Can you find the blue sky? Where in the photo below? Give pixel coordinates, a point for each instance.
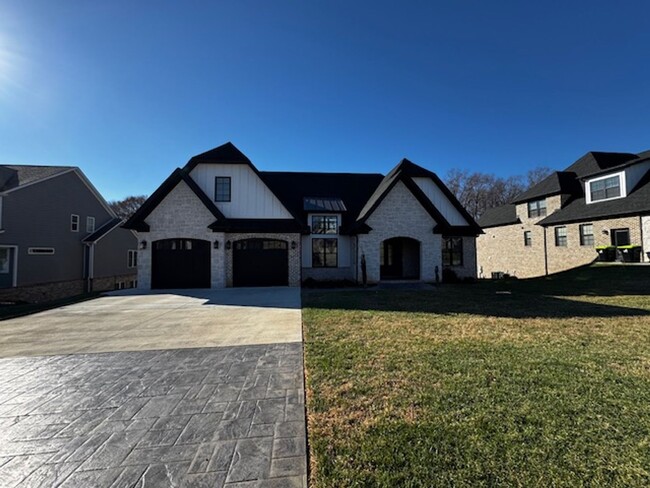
(129, 90)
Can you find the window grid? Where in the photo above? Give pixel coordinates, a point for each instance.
(528, 238)
(132, 259)
(537, 208)
(452, 251)
(222, 191)
(324, 224)
(587, 235)
(74, 223)
(605, 188)
(560, 237)
(324, 253)
(90, 224)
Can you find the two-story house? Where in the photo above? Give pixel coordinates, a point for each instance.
(600, 201)
(58, 236)
(220, 222)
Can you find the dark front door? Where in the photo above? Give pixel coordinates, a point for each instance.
(180, 263)
(260, 262)
(391, 259)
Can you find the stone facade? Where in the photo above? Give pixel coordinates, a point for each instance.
(181, 215)
(294, 254)
(401, 215)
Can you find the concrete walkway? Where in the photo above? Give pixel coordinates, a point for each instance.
(230, 416)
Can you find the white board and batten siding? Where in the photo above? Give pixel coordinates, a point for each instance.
(250, 197)
(440, 201)
(343, 245)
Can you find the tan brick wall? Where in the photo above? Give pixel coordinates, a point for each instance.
(468, 269)
(574, 255)
(645, 228)
(294, 254)
(501, 249)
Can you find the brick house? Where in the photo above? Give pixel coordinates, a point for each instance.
(220, 222)
(601, 203)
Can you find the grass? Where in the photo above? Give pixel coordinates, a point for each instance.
(465, 385)
(22, 309)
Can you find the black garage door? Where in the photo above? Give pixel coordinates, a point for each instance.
(180, 263)
(260, 262)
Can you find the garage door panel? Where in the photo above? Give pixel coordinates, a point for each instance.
(260, 262)
(180, 263)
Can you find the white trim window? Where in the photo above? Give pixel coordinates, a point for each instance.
(40, 251)
(606, 188)
(132, 259)
(74, 223)
(90, 224)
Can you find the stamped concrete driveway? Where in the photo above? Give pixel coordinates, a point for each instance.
(156, 407)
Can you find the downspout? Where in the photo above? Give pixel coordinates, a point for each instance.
(545, 253)
(91, 267)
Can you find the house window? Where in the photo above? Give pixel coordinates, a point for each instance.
(620, 237)
(560, 237)
(528, 238)
(587, 235)
(40, 251)
(90, 224)
(537, 208)
(222, 189)
(324, 224)
(324, 253)
(4, 260)
(605, 188)
(452, 251)
(132, 259)
(74, 223)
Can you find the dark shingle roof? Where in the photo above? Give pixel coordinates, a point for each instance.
(637, 202)
(353, 189)
(14, 175)
(103, 230)
(503, 215)
(558, 182)
(595, 161)
(226, 154)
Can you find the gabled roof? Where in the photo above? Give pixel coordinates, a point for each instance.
(225, 154)
(596, 161)
(13, 176)
(404, 172)
(137, 220)
(558, 182)
(503, 215)
(635, 203)
(102, 231)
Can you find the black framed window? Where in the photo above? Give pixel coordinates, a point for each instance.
(324, 253)
(452, 251)
(560, 237)
(324, 224)
(222, 189)
(605, 188)
(537, 208)
(132, 258)
(620, 237)
(587, 235)
(528, 238)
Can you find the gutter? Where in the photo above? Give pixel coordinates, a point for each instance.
(545, 253)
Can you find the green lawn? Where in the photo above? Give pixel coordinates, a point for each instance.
(465, 385)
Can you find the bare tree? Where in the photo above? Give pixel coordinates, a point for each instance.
(126, 208)
(479, 191)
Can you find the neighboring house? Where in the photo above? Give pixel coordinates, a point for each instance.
(58, 236)
(220, 222)
(602, 200)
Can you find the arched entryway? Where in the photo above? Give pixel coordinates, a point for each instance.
(180, 263)
(399, 259)
(260, 262)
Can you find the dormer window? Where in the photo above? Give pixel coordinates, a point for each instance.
(222, 189)
(324, 224)
(537, 208)
(605, 188)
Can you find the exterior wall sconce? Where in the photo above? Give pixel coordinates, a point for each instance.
(606, 232)
(143, 244)
(216, 244)
(228, 245)
(293, 244)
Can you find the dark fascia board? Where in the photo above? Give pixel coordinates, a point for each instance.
(504, 224)
(137, 220)
(420, 171)
(458, 231)
(258, 225)
(102, 231)
(575, 220)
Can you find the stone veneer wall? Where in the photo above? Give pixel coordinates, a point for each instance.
(46, 292)
(401, 215)
(574, 255)
(294, 254)
(181, 215)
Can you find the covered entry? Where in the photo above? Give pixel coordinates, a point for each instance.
(260, 262)
(399, 259)
(180, 263)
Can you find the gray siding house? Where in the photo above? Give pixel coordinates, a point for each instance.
(58, 236)
(220, 222)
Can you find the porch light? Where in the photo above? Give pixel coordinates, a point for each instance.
(143, 244)
(228, 245)
(605, 231)
(293, 244)
(216, 244)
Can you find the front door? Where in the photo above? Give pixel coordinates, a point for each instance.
(7, 260)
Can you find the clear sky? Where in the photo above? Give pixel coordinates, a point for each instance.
(129, 90)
